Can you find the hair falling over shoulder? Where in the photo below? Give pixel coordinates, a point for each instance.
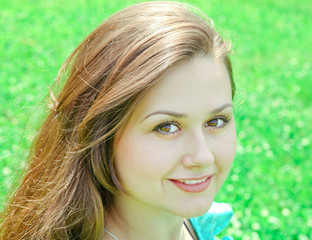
(70, 179)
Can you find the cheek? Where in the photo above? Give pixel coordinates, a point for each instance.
(226, 151)
(224, 159)
(141, 157)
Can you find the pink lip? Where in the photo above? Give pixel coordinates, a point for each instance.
(193, 188)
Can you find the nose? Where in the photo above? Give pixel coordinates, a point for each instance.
(199, 152)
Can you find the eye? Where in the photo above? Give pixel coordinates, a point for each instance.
(167, 128)
(218, 122)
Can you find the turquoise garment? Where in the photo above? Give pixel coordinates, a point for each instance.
(212, 222)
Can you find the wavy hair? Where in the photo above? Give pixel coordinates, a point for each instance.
(70, 179)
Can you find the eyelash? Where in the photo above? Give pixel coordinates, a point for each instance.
(157, 130)
(224, 118)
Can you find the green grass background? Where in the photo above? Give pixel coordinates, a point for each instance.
(270, 183)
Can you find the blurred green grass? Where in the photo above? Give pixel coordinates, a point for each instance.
(270, 183)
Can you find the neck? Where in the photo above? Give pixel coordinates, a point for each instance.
(129, 222)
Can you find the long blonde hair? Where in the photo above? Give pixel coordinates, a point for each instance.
(70, 179)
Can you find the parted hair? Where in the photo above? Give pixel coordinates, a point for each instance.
(70, 178)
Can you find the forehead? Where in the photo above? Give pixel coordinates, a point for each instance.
(202, 82)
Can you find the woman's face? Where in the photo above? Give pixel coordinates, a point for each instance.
(179, 144)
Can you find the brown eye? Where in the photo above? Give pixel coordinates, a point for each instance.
(217, 122)
(167, 128)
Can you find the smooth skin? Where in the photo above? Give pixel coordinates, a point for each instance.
(183, 129)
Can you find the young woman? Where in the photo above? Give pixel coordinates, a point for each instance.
(140, 138)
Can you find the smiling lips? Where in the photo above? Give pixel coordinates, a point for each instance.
(192, 185)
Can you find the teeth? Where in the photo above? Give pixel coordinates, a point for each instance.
(192, 181)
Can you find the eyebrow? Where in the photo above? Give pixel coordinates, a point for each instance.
(182, 115)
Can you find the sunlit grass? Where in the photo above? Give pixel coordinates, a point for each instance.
(270, 183)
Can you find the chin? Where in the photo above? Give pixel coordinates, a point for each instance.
(196, 209)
